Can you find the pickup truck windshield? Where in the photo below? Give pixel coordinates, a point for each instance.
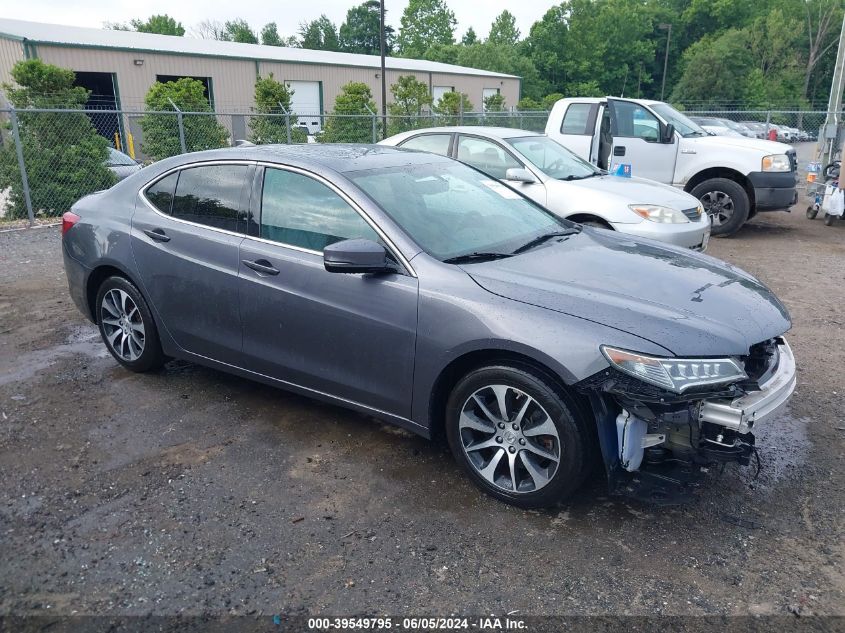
(685, 126)
(552, 158)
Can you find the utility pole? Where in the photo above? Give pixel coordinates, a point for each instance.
(383, 77)
(833, 122)
(668, 29)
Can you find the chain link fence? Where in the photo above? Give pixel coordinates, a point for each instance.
(51, 158)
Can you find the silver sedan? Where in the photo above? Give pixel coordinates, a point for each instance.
(553, 176)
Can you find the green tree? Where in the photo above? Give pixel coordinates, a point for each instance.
(270, 35)
(356, 103)
(319, 34)
(161, 130)
(451, 105)
(423, 24)
(527, 104)
(360, 33)
(272, 97)
(504, 30)
(550, 100)
(469, 37)
(699, 85)
(161, 24)
(410, 97)
(239, 31)
(545, 46)
(64, 156)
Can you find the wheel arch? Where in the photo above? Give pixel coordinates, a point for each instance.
(96, 278)
(475, 359)
(590, 217)
(727, 173)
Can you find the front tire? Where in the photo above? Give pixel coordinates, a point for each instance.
(828, 219)
(812, 212)
(127, 326)
(517, 436)
(726, 202)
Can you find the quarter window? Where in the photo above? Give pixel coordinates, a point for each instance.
(300, 211)
(576, 118)
(210, 195)
(486, 156)
(434, 143)
(160, 193)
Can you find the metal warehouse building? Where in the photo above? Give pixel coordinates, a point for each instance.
(120, 66)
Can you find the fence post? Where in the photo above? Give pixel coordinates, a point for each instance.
(287, 122)
(768, 122)
(461, 109)
(181, 127)
(375, 122)
(16, 135)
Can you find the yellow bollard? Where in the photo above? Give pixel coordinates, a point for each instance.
(131, 143)
(117, 141)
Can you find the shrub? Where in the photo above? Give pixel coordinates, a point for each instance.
(451, 105)
(270, 97)
(410, 96)
(64, 156)
(356, 126)
(161, 130)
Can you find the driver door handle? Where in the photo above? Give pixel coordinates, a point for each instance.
(261, 266)
(157, 235)
(619, 150)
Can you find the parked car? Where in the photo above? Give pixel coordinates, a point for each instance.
(567, 185)
(734, 178)
(416, 289)
(714, 126)
(760, 129)
(122, 165)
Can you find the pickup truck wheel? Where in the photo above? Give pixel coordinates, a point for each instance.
(726, 202)
(517, 436)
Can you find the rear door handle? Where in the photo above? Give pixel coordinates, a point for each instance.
(157, 235)
(619, 150)
(261, 266)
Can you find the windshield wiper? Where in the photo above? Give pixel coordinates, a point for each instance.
(544, 238)
(571, 177)
(475, 257)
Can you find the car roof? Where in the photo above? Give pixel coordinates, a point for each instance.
(480, 130)
(338, 157)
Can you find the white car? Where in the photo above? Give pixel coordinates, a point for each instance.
(570, 187)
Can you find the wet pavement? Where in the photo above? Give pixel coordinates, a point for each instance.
(191, 491)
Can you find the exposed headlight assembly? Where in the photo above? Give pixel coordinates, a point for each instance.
(776, 162)
(675, 374)
(656, 213)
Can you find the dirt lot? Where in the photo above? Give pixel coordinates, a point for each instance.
(190, 491)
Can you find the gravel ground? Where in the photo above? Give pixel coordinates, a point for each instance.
(190, 491)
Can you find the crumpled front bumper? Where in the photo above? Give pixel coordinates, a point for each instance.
(742, 413)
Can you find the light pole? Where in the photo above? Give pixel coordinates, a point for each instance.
(668, 29)
(383, 77)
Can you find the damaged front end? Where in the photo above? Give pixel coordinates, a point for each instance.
(661, 420)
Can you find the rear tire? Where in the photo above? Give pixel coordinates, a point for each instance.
(535, 453)
(828, 219)
(127, 326)
(812, 212)
(726, 202)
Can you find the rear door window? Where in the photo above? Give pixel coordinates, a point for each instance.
(160, 193)
(434, 143)
(577, 118)
(210, 195)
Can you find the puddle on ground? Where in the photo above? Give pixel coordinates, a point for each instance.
(83, 340)
(783, 443)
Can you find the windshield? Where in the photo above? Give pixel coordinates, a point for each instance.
(683, 124)
(552, 158)
(452, 210)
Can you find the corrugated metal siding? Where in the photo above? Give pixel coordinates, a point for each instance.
(233, 81)
(11, 52)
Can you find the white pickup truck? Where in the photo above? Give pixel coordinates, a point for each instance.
(734, 178)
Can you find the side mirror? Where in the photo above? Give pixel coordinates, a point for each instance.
(356, 256)
(668, 134)
(519, 174)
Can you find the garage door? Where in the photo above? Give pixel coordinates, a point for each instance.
(488, 92)
(439, 91)
(305, 103)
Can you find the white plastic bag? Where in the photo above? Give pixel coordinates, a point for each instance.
(836, 204)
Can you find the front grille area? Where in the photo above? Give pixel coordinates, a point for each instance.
(692, 214)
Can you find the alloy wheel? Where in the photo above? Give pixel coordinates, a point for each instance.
(719, 206)
(509, 439)
(122, 324)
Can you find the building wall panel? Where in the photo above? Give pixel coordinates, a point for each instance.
(11, 52)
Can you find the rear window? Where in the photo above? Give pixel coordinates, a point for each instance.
(160, 193)
(210, 195)
(576, 118)
(434, 143)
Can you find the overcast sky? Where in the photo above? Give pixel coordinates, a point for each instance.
(286, 13)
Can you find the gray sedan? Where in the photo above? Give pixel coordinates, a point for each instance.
(550, 174)
(421, 291)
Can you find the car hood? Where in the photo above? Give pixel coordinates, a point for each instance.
(743, 142)
(689, 303)
(625, 191)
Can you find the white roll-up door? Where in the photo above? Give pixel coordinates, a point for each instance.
(305, 103)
